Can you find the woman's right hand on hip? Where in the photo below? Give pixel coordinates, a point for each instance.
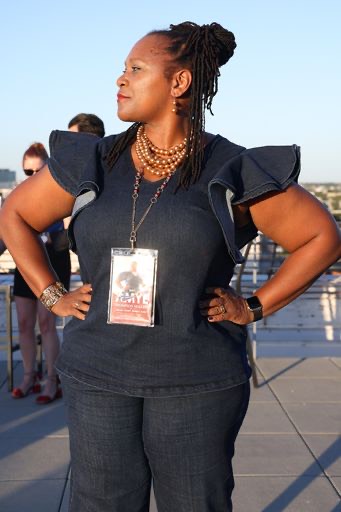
(75, 303)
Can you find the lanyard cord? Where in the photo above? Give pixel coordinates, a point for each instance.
(152, 201)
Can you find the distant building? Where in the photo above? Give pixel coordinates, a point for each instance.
(7, 179)
(329, 194)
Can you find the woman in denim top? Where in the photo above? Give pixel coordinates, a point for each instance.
(166, 402)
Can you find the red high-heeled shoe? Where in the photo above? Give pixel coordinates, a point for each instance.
(47, 399)
(35, 387)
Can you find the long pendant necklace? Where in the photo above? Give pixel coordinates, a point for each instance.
(152, 201)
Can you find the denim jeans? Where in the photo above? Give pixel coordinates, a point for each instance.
(119, 444)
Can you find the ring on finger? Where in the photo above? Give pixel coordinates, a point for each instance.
(222, 309)
(76, 305)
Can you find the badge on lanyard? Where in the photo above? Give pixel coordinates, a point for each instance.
(132, 286)
(133, 272)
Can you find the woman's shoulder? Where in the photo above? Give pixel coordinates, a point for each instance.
(107, 141)
(220, 142)
(219, 150)
(61, 138)
(81, 147)
(105, 144)
(72, 156)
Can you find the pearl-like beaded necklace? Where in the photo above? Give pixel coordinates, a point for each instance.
(161, 162)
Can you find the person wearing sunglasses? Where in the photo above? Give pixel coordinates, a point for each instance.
(30, 172)
(29, 309)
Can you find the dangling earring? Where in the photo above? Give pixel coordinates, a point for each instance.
(174, 109)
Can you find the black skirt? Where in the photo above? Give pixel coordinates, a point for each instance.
(61, 264)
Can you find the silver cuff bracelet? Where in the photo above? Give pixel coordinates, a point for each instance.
(52, 294)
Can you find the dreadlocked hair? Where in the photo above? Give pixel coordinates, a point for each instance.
(202, 49)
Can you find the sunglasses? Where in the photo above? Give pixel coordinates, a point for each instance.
(29, 172)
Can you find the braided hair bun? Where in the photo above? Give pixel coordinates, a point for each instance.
(225, 42)
(213, 38)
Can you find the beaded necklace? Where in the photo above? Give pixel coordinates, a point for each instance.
(160, 162)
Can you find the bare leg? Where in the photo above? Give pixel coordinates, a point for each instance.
(27, 314)
(50, 340)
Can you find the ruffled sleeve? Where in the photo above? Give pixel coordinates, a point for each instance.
(265, 169)
(73, 159)
(249, 175)
(75, 165)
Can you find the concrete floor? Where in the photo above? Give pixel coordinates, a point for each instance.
(288, 454)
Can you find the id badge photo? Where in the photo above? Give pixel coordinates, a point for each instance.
(132, 286)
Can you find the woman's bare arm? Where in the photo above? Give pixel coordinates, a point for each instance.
(299, 223)
(30, 208)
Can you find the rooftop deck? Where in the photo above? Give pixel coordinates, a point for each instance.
(287, 458)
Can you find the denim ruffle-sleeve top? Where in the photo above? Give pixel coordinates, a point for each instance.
(198, 246)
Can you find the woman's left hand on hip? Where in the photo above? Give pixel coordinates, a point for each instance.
(225, 304)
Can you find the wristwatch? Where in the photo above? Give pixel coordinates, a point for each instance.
(254, 305)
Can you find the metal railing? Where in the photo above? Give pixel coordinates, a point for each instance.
(318, 309)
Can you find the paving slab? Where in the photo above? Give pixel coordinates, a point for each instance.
(262, 393)
(273, 455)
(285, 494)
(31, 495)
(299, 367)
(3, 370)
(313, 418)
(152, 507)
(277, 348)
(34, 459)
(327, 449)
(25, 417)
(337, 482)
(66, 496)
(266, 417)
(301, 389)
(337, 361)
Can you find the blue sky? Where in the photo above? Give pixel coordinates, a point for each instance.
(281, 87)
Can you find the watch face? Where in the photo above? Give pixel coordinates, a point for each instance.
(256, 307)
(254, 303)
